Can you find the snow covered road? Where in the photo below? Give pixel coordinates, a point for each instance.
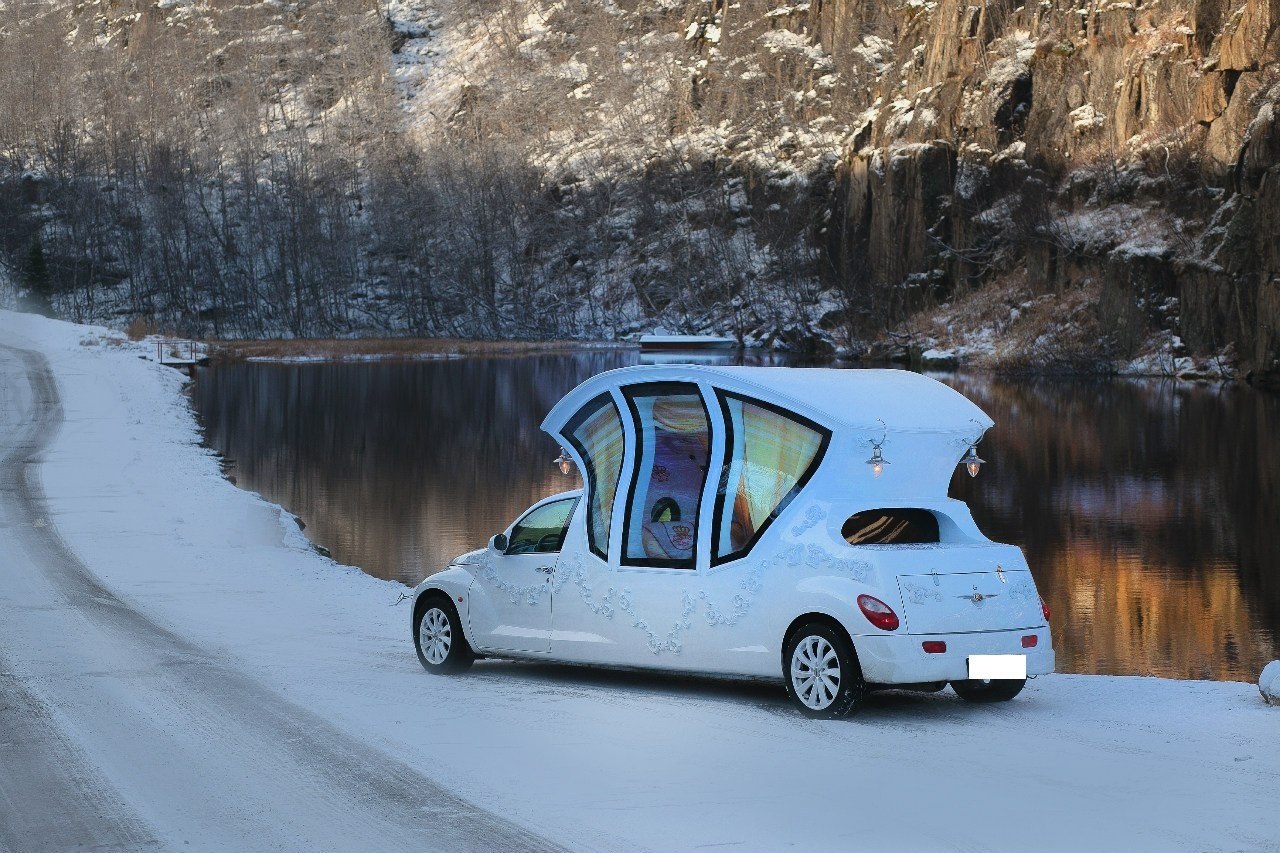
(118, 733)
(176, 666)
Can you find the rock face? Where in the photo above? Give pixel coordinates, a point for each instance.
(1088, 184)
(1006, 137)
(1269, 683)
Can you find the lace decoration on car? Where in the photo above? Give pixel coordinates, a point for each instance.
(619, 600)
(917, 594)
(813, 515)
(531, 595)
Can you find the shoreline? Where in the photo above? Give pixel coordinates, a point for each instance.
(587, 758)
(330, 350)
(357, 350)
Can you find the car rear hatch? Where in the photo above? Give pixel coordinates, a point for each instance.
(1000, 600)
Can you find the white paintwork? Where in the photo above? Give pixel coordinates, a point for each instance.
(733, 619)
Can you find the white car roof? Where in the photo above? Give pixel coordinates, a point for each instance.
(855, 399)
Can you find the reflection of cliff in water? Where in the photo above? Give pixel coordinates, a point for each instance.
(396, 466)
(1147, 511)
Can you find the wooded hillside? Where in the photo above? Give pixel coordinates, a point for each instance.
(1062, 184)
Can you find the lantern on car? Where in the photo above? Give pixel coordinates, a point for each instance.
(972, 462)
(564, 462)
(877, 460)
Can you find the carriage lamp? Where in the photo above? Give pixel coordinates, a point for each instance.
(563, 461)
(877, 460)
(972, 462)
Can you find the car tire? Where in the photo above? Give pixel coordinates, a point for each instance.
(821, 672)
(438, 638)
(996, 690)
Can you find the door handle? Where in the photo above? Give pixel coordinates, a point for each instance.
(547, 570)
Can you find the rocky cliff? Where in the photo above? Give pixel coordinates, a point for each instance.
(1127, 151)
(1063, 185)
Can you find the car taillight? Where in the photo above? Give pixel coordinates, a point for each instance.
(1030, 641)
(934, 647)
(1044, 608)
(878, 613)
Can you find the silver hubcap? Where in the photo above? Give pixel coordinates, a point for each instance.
(815, 673)
(435, 636)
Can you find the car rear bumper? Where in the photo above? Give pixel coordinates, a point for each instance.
(901, 659)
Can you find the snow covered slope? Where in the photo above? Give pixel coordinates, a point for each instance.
(599, 760)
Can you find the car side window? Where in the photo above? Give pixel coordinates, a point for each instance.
(771, 454)
(542, 530)
(673, 446)
(900, 526)
(596, 433)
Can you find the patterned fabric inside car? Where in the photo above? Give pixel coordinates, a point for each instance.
(671, 470)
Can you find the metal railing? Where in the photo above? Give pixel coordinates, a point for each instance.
(177, 352)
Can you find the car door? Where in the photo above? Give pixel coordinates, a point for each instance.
(515, 613)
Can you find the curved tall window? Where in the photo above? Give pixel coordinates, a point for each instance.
(596, 433)
(771, 454)
(673, 446)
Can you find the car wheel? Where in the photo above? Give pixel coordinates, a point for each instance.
(438, 637)
(996, 690)
(821, 672)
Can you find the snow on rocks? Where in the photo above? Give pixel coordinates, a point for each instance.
(1086, 118)
(1269, 683)
(939, 358)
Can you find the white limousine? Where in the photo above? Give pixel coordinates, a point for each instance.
(759, 522)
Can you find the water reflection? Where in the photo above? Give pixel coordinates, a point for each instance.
(395, 466)
(1145, 509)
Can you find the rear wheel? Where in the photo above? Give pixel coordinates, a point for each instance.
(442, 647)
(821, 671)
(995, 690)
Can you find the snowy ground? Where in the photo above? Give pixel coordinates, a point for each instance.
(177, 669)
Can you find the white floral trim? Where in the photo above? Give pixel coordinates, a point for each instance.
(916, 594)
(924, 546)
(813, 515)
(820, 558)
(619, 599)
(531, 595)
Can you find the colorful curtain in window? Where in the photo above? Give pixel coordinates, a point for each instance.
(770, 454)
(596, 433)
(674, 438)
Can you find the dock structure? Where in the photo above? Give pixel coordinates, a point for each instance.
(181, 354)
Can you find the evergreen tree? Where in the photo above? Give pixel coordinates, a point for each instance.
(36, 280)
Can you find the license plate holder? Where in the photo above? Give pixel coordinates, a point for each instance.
(997, 667)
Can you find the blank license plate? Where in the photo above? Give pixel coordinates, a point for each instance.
(997, 666)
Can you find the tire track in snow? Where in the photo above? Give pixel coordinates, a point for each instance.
(142, 735)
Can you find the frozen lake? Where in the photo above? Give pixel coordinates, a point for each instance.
(1147, 509)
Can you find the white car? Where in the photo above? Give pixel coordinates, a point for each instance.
(759, 522)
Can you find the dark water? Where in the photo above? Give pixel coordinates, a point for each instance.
(1150, 511)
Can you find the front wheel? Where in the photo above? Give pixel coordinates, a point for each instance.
(995, 690)
(442, 647)
(822, 673)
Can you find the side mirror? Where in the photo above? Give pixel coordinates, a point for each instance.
(498, 543)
